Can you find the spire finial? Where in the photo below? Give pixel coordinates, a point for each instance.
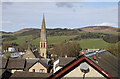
(43, 16)
(43, 22)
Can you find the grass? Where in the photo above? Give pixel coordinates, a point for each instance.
(20, 39)
(93, 43)
(84, 43)
(51, 40)
(58, 39)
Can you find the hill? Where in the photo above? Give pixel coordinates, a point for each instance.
(99, 29)
(87, 37)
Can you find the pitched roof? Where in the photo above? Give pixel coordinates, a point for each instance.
(108, 62)
(29, 54)
(64, 61)
(40, 61)
(75, 63)
(3, 62)
(35, 52)
(30, 62)
(30, 75)
(16, 63)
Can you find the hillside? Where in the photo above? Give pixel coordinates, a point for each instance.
(87, 37)
(24, 30)
(99, 29)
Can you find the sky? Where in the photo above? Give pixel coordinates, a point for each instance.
(20, 15)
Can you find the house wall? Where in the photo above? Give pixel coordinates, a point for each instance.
(77, 73)
(37, 68)
(57, 68)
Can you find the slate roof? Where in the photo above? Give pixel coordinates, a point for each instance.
(30, 62)
(16, 63)
(64, 61)
(3, 63)
(30, 75)
(29, 54)
(108, 62)
(40, 61)
(75, 63)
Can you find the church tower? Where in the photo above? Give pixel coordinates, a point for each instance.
(43, 40)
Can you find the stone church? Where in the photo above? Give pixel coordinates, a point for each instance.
(31, 53)
(43, 40)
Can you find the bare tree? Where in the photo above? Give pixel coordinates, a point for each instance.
(71, 49)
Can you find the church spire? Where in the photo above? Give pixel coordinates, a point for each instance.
(43, 23)
(43, 40)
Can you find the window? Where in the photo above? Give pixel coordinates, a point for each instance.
(44, 45)
(43, 54)
(42, 70)
(33, 70)
(41, 45)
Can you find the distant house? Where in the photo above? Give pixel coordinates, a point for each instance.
(11, 65)
(38, 66)
(14, 55)
(11, 49)
(105, 67)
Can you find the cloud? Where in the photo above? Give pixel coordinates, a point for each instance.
(64, 4)
(106, 24)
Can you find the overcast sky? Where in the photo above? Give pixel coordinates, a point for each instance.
(19, 15)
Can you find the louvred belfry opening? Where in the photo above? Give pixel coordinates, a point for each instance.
(44, 45)
(41, 45)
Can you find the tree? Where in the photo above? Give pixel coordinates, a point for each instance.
(7, 55)
(114, 49)
(71, 49)
(111, 38)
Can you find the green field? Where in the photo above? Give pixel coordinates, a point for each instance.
(52, 40)
(20, 39)
(84, 43)
(93, 43)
